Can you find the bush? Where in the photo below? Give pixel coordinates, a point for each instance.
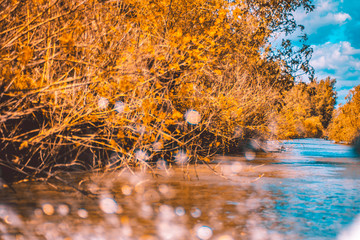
(102, 84)
(345, 125)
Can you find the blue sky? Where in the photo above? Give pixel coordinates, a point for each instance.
(333, 29)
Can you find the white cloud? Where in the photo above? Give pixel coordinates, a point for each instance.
(313, 21)
(341, 17)
(326, 13)
(337, 60)
(325, 5)
(335, 56)
(349, 50)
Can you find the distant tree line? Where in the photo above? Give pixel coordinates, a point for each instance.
(308, 110)
(345, 124)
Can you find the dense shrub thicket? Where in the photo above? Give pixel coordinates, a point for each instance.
(118, 83)
(306, 110)
(345, 124)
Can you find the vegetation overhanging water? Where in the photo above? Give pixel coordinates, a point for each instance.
(310, 191)
(122, 86)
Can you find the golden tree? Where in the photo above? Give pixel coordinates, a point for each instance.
(124, 82)
(345, 125)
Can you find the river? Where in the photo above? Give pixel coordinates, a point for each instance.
(309, 191)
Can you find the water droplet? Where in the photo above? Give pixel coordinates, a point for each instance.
(103, 103)
(82, 213)
(161, 164)
(126, 190)
(250, 155)
(181, 157)
(171, 231)
(63, 209)
(108, 205)
(180, 211)
(119, 106)
(195, 212)
(141, 155)
(9, 216)
(192, 117)
(48, 209)
(204, 232)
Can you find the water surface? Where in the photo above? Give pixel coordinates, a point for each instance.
(310, 191)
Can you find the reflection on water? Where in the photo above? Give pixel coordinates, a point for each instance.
(311, 191)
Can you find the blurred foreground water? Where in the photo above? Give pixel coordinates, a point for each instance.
(310, 191)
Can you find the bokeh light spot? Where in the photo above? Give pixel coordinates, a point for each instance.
(204, 232)
(108, 205)
(82, 213)
(181, 157)
(161, 164)
(126, 190)
(157, 146)
(103, 103)
(141, 155)
(195, 212)
(192, 117)
(63, 209)
(180, 211)
(119, 106)
(48, 209)
(250, 155)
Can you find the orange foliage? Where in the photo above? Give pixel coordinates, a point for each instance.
(118, 76)
(345, 125)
